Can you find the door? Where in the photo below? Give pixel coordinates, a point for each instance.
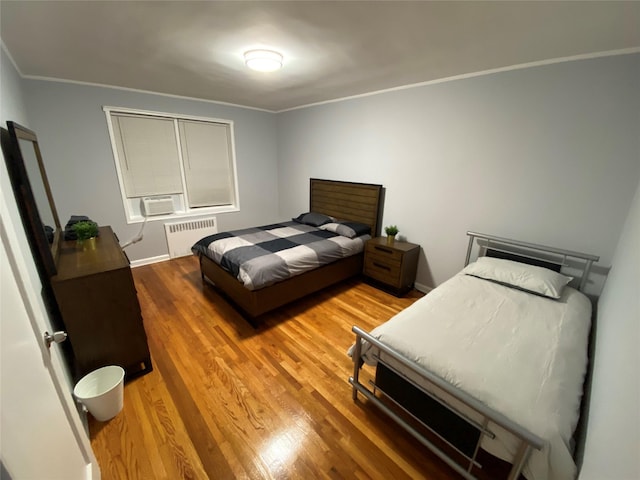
(41, 433)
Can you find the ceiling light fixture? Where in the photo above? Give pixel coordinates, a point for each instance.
(263, 60)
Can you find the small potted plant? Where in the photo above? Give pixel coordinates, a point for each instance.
(391, 232)
(85, 230)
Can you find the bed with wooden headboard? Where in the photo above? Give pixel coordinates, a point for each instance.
(356, 202)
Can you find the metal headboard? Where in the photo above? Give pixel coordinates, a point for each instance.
(535, 248)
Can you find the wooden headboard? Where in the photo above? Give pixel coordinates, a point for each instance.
(358, 202)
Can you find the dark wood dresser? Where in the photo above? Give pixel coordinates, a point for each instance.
(97, 299)
(393, 266)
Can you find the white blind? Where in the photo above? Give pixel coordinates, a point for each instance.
(207, 163)
(148, 155)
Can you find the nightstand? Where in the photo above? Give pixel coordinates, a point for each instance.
(392, 267)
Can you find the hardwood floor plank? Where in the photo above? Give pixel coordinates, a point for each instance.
(226, 400)
(212, 459)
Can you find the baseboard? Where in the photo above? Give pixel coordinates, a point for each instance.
(150, 260)
(422, 288)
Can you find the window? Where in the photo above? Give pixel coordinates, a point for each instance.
(187, 163)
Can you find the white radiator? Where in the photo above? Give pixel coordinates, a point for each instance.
(181, 236)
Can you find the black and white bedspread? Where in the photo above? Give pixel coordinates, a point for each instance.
(261, 256)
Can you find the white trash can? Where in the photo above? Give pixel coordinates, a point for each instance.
(102, 392)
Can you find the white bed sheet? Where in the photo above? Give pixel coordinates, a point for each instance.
(522, 355)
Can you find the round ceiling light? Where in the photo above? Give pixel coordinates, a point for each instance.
(263, 60)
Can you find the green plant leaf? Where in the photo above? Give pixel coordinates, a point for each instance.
(85, 229)
(391, 230)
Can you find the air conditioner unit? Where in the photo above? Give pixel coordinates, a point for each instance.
(157, 205)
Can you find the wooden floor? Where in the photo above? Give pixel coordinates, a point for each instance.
(228, 401)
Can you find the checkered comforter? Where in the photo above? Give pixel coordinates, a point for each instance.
(261, 256)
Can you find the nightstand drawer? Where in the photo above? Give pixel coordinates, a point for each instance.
(391, 266)
(383, 253)
(382, 270)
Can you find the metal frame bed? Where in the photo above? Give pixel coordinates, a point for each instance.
(392, 397)
(358, 202)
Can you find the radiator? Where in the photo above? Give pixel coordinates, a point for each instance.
(182, 235)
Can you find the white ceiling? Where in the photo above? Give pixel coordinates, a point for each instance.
(332, 49)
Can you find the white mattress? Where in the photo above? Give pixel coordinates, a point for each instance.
(522, 355)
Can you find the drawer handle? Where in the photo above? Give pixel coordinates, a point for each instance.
(384, 267)
(385, 250)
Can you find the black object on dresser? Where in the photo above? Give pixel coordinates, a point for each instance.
(392, 266)
(97, 298)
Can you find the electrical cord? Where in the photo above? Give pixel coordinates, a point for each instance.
(137, 238)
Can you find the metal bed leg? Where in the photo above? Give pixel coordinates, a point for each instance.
(357, 362)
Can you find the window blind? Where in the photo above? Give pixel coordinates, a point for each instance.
(207, 163)
(148, 155)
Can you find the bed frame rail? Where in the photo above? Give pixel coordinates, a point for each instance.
(495, 243)
(527, 439)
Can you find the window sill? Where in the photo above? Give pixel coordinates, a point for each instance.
(202, 212)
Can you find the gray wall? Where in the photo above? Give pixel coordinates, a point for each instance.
(12, 107)
(613, 433)
(547, 154)
(72, 131)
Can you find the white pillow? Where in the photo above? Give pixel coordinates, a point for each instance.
(530, 278)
